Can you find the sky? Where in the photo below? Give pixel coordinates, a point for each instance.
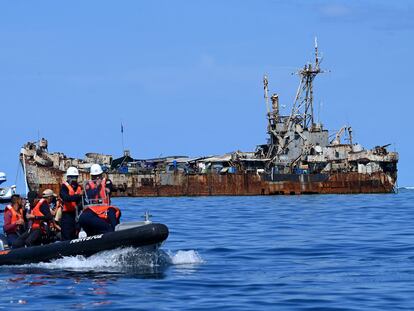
(185, 77)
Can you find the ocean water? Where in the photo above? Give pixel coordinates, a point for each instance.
(316, 252)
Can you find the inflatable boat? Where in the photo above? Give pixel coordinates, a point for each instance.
(145, 235)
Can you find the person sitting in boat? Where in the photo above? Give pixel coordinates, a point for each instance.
(97, 219)
(32, 199)
(98, 189)
(41, 223)
(14, 224)
(56, 208)
(71, 195)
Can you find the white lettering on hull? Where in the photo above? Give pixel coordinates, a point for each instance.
(88, 238)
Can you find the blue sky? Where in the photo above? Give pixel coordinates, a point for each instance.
(185, 77)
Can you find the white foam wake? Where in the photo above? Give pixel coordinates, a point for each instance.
(118, 260)
(107, 259)
(185, 258)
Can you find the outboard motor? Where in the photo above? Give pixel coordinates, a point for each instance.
(3, 242)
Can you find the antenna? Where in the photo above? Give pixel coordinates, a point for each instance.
(122, 137)
(319, 111)
(266, 91)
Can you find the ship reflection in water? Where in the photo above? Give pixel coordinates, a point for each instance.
(298, 158)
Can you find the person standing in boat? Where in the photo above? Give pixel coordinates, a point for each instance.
(99, 217)
(99, 188)
(42, 222)
(71, 195)
(14, 224)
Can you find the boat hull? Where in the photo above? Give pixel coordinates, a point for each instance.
(148, 237)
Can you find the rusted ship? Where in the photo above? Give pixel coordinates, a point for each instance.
(300, 157)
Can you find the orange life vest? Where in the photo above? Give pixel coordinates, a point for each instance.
(71, 206)
(36, 212)
(15, 215)
(102, 211)
(102, 192)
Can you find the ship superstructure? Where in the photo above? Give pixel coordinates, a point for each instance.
(298, 144)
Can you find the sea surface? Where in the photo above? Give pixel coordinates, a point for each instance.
(315, 252)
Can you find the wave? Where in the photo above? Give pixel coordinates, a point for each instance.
(407, 187)
(122, 259)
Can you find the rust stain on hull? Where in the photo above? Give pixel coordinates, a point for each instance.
(252, 184)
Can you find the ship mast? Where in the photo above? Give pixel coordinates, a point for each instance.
(303, 105)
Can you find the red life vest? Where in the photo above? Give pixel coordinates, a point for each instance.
(102, 192)
(102, 211)
(36, 212)
(71, 206)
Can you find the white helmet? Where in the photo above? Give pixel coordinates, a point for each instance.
(72, 171)
(96, 169)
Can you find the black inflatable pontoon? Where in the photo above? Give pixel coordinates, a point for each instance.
(147, 236)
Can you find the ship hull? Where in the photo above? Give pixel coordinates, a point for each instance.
(180, 184)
